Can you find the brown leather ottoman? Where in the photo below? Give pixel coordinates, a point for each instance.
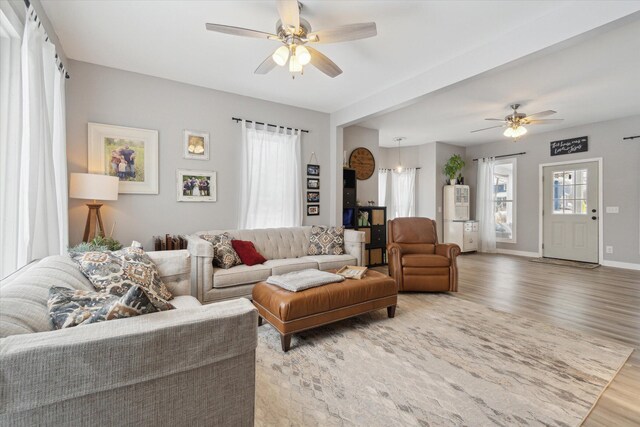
(291, 312)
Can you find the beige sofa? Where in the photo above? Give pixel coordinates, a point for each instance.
(191, 366)
(285, 250)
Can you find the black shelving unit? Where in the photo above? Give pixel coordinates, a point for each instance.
(374, 227)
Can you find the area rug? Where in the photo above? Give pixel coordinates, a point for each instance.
(442, 361)
(565, 262)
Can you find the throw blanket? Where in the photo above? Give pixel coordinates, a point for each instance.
(304, 279)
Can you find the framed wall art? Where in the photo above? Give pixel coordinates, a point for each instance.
(313, 183)
(195, 145)
(313, 197)
(196, 185)
(313, 170)
(131, 154)
(313, 210)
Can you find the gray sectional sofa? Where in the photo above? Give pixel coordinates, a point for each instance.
(284, 248)
(194, 365)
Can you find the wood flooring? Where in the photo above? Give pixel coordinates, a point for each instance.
(604, 301)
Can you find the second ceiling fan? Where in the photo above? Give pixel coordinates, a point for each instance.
(514, 122)
(295, 34)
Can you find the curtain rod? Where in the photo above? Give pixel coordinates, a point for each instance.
(506, 155)
(267, 124)
(631, 137)
(392, 169)
(35, 16)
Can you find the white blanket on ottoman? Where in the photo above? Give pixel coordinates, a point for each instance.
(304, 279)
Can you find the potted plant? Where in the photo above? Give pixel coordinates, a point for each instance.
(453, 167)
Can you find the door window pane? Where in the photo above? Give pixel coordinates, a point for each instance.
(570, 192)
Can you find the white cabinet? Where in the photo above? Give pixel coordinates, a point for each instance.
(456, 203)
(462, 233)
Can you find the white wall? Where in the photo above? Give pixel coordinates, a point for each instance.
(106, 95)
(621, 178)
(355, 137)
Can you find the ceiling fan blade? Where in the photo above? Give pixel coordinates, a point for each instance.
(542, 113)
(324, 64)
(344, 33)
(497, 120)
(492, 127)
(267, 65)
(289, 14)
(239, 31)
(542, 122)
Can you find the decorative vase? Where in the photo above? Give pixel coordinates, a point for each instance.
(453, 181)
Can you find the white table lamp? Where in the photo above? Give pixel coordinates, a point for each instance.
(93, 187)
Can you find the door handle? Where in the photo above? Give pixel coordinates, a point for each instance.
(594, 218)
(593, 210)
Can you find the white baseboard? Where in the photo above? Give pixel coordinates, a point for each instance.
(517, 253)
(618, 264)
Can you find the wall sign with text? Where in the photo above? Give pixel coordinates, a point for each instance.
(570, 146)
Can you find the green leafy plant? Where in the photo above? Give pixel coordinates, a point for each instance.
(98, 244)
(453, 167)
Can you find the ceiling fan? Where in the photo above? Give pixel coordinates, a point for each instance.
(514, 122)
(295, 33)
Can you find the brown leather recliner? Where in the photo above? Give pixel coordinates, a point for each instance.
(417, 262)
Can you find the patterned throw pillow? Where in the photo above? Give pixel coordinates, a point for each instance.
(116, 272)
(70, 307)
(224, 256)
(326, 240)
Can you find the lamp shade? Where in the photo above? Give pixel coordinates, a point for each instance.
(92, 186)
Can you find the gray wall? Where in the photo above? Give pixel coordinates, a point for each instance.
(355, 137)
(621, 178)
(106, 95)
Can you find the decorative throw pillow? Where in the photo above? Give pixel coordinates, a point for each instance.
(71, 307)
(116, 272)
(247, 252)
(224, 255)
(326, 240)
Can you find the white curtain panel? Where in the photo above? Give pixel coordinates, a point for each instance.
(271, 190)
(485, 208)
(34, 188)
(403, 193)
(383, 176)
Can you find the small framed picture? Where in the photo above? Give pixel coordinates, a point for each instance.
(313, 197)
(196, 145)
(313, 210)
(196, 186)
(313, 183)
(313, 170)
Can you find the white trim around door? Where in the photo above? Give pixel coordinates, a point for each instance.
(600, 202)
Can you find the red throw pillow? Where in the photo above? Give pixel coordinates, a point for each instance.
(247, 252)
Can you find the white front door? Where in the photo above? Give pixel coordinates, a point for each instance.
(570, 212)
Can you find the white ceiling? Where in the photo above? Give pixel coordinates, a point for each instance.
(593, 78)
(168, 39)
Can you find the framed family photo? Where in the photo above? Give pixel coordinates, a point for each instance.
(313, 170)
(196, 185)
(313, 197)
(313, 210)
(313, 183)
(195, 145)
(131, 154)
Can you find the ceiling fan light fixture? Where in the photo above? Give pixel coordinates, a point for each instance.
(281, 55)
(303, 55)
(515, 132)
(294, 65)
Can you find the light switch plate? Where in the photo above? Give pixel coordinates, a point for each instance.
(612, 209)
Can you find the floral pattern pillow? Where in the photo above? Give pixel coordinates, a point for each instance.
(71, 307)
(116, 272)
(326, 240)
(224, 256)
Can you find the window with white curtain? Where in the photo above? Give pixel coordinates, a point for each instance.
(402, 202)
(504, 188)
(271, 192)
(33, 165)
